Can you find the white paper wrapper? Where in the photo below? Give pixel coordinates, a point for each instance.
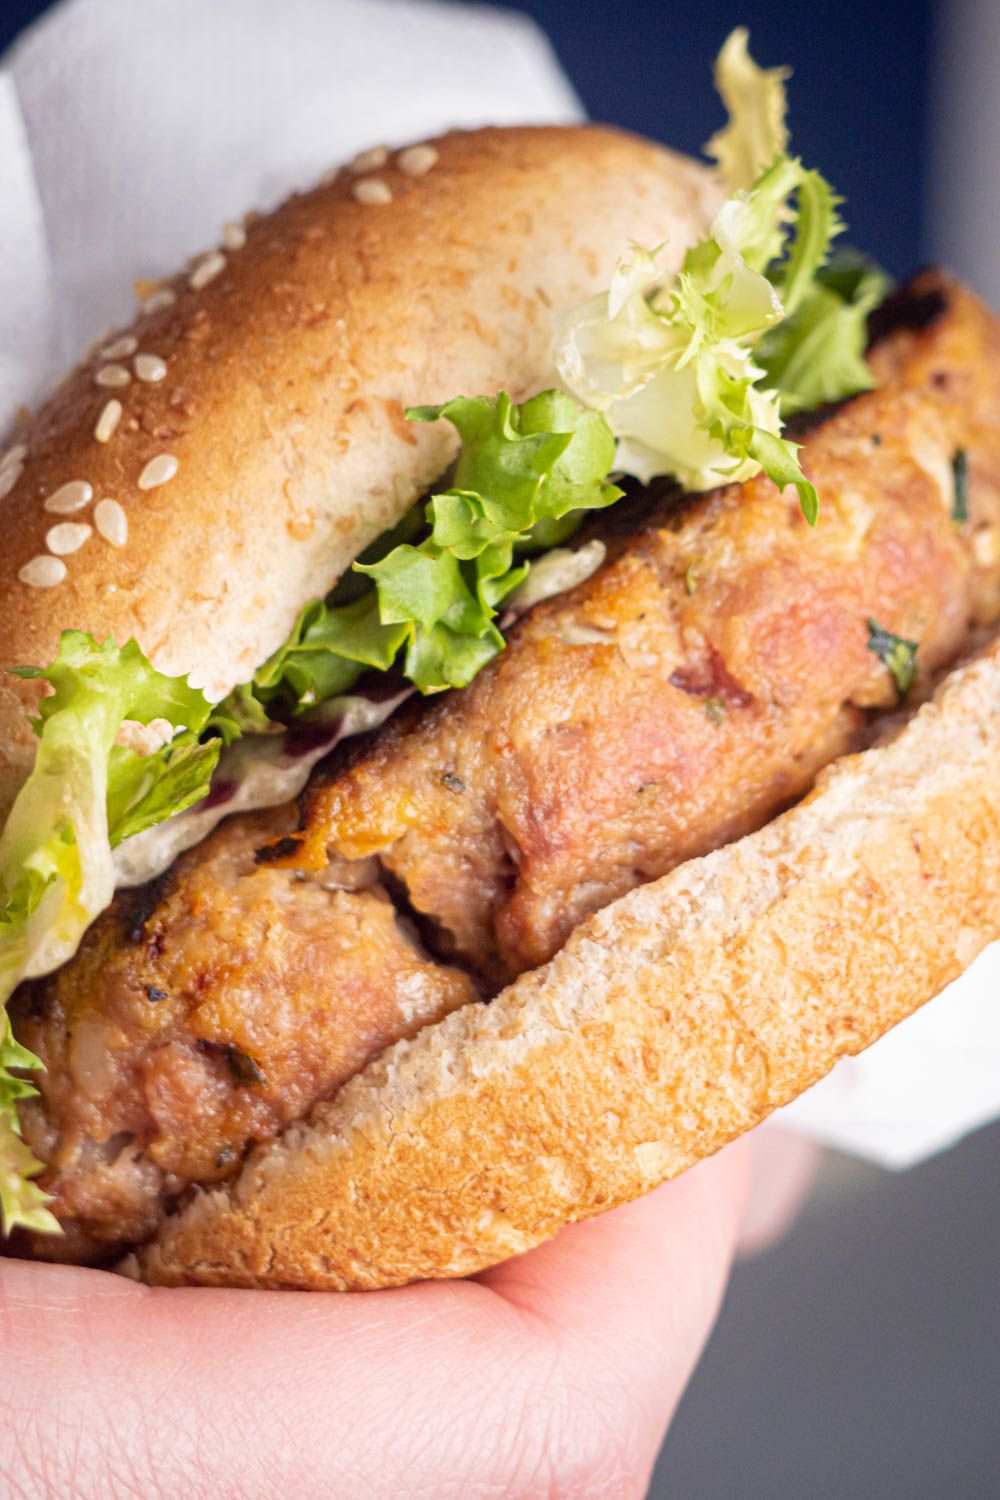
(129, 133)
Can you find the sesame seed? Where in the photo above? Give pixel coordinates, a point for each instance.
(67, 537)
(158, 471)
(416, 161)
(234, 236)
(9, 475)
(70, 497)
(111, 522)
(111, 415)
(112, 376)
(121, 348)
(162, 298)
(15, 455)
(207, 269)
(370, 160)
(43, 572)
(371, 190)
(149, 367)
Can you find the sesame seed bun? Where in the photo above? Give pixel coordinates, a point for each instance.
(261, 442)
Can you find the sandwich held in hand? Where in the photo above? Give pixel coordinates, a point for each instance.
(499, 698)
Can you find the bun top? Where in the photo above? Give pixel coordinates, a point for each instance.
(204, 473)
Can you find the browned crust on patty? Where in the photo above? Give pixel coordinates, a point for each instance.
(202, 1015)
(693, 687)
(671, 1022)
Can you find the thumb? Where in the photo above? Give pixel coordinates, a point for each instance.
(635, 1292)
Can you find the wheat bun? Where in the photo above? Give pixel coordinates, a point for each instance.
(289, 363)
(671, 1022)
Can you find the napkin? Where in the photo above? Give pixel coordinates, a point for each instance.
(129, 133)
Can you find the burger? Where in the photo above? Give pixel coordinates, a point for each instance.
(499, 697)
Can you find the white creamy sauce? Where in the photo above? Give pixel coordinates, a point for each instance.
(261, 771)
(559, 570)
(265, 770)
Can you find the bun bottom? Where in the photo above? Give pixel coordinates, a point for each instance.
(673, 1021)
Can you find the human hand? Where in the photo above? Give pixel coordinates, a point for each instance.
(553, 1374)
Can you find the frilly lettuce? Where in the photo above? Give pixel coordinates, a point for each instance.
(522, 473)
(143, 790)
(83, 795)
(22, 1202)
(671, 364)
(329, 647)
(817, 354)
(755, 99)
(695, 372)
(524, 476)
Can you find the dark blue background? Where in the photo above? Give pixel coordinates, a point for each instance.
(858, 97)
(858, 94)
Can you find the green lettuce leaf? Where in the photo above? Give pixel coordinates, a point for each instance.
(522, 471)
(778, 457)
(56, 871)
(144, 790)
(817, 355)
(239, 714)
(504, 457)
(695, 373)
(426, 595)
(755, 100)
(22, 1202)
(329, 647)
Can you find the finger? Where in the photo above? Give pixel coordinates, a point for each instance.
(432, 1392)
(108, 1387)
(449, 1389)
(783, 1167)
(637, 1290)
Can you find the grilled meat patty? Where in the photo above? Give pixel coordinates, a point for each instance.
(207, 1011)
(697, 683)
(675, 700)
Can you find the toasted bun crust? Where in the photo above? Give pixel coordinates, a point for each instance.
(287, 376)
(677, 1018)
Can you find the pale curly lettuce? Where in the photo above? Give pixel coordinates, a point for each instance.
(755, 100)
(56, 871)
(671, 363)
(696, 372)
